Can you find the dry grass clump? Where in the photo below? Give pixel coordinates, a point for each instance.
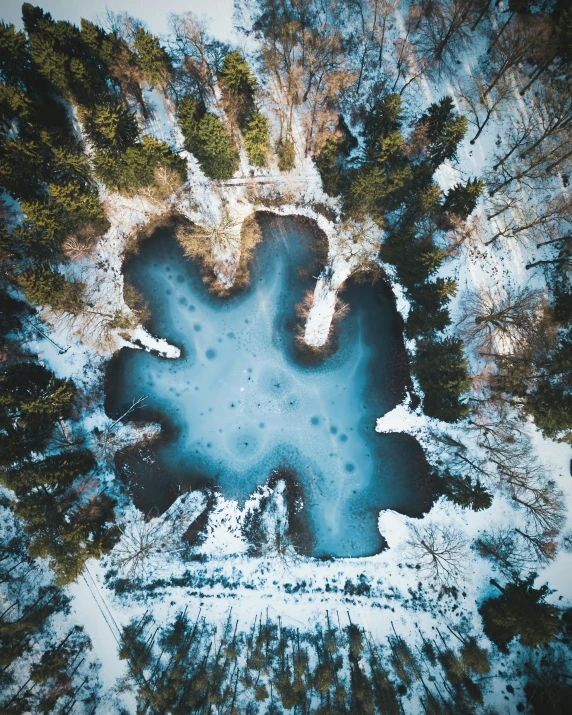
(135, 300)
(250, 237)
(215, 244)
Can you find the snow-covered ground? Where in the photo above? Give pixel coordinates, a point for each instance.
(298, 588)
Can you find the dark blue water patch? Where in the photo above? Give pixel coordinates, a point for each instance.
(260, 408)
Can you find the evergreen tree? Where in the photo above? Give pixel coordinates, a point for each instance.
(62, 524)
(429, 313)
(331, 159)
(236, 76)
(218, 156)
(55, 473)
(551, 407)
(329, 166)
(11, 310)
(14, 55)
(257, 140)
(563, 36)
(384, 118)
(464, 492)
(520, 611)
(67, 529)
(111, 128)
(21, 168)
(441, 368)
(143, 160)
(461, 199)
(445, 130)
(208, 140)
(138, 167)
(61, 56)
(153, 59)
(32, 399)
(14, 104)
(46, 287)
(27, 608)
(55, 668)
(189, 114)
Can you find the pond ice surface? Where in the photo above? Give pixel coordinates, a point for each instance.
(242, 405)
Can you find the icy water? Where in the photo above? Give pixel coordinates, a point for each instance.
(239, 403)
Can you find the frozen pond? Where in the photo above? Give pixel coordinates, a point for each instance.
(239, 403)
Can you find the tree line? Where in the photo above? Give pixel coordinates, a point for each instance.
(190, 666)
(43, 668)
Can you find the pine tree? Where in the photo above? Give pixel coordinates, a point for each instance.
(62, 524)
(32, 399)
(11, 312)
(328, 166)
(59, 53)
(14, 55)
(445, 130)
(441, 368)
(207, 139)
(520, 611)
(384, 118)
(215, 150)
(153, 59)
(189, 115)
(551, 407)
(257, 140)
(235, 74)
(145, 164)
(27, 608)
(14, 104)
(56, 473)
(47, 287)
(563, 36)
(429, 313)
(111, 128)
(21, 168)
(461, 199)
(464, 492)
(142, 161)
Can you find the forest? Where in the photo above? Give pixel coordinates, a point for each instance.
(429, 142)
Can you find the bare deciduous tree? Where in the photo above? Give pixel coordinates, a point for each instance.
(439, 550)
(481, 105)
(197, 56)
(304, 56)
(115, 436)
(144, 538)
(500, 320)
(359, 244)
(444, 26)
(371, 38)
(539, 496)
(502, 545)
